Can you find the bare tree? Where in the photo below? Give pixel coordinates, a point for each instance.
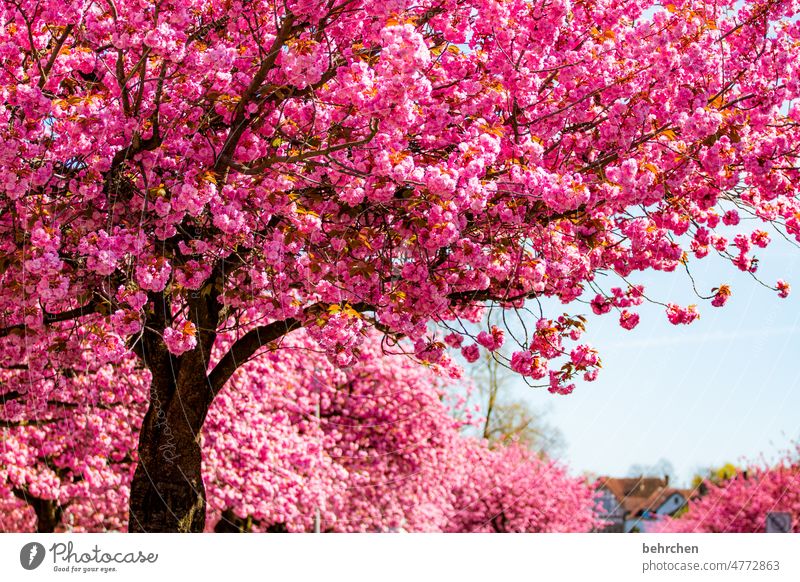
(508, 417)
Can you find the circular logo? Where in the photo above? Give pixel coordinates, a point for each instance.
(31, 555)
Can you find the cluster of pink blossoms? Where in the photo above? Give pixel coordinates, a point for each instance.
(681, 315)
(741, 504)
(414, 159)
(180, 338)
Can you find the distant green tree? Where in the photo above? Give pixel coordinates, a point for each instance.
(715, 475)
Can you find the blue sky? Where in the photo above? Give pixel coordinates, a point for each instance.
(722, 389)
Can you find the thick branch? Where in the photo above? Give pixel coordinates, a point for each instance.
(240, 121)
(262, 164)
(9, 396)
(247, 345)
(50, 318)
(23, 423)
(54, 55)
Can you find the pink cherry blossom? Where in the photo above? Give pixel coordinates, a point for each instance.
(181, 339)
(742, 503)
(721, 295)
(628, 320)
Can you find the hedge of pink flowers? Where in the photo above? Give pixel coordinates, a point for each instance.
(294, 438)
(741, 504)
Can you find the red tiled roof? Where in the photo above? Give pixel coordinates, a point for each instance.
(638, 494)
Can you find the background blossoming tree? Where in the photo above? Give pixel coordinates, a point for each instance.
(293, 443)
(69, 424)
(741, 502)
(297, 443)
(371, 448)
(509, 488)
(177, 176)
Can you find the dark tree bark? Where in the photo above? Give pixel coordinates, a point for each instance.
(167, 492)
(231, 523)
(48, 515)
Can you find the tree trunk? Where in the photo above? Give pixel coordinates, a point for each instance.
(229, 522)
(48, 515)
(48, 511)
(167, 492)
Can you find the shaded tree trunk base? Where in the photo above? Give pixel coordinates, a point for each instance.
(163, 503)
(48, 511)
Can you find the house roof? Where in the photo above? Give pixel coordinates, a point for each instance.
(659, 498)
(639, 494)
